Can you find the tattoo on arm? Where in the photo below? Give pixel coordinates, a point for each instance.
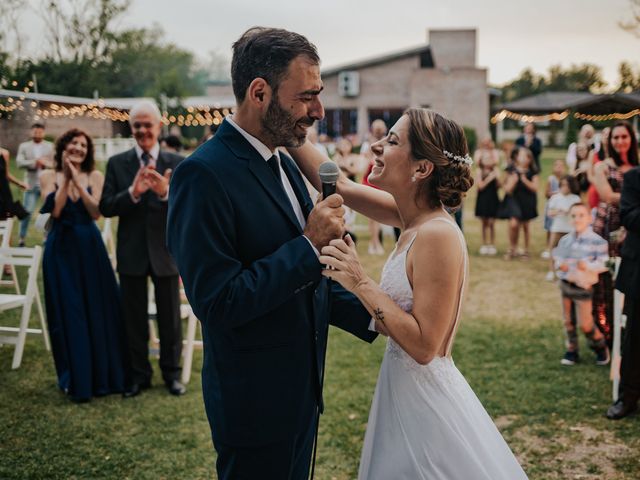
(379, 315)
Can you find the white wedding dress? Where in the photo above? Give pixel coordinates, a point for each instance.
(425, 421)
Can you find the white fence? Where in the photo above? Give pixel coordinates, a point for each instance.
(106, 147)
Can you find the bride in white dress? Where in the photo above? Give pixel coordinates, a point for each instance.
(425, 421)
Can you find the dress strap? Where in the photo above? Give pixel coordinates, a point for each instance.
(465, 267)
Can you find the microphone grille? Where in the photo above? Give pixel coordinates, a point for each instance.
(329, 172)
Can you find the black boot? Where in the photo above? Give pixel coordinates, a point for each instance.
(623, 407)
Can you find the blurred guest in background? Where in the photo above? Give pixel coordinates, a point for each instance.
(579, 257)
(529, 140)
(171, 143)
(33, 156)
(558, 172)
(84, 311)
(558, 210)
(348, 161)
(608, 180)
(136, 190)
(312, 136)
(9, 207)
(628, 282)
(487, 159)
(378, 132)
(587, 137)
(521, 183)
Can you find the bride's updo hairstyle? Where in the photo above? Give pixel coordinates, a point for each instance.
(442, 142)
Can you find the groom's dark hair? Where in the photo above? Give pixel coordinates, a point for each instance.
(266, 53)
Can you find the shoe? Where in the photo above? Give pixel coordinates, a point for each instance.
(570, 358)
(621, 409)
(550, 276)
(603, 357)
(380, 250)
(176, 388)
(483, 250)
(509, 255)
(546, 255)
(524, 255)
(135, 389)
(491, 250)
(21, 243)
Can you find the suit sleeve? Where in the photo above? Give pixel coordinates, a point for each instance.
(630, 201)
(348, 314)
(114, 202)
(201, 235)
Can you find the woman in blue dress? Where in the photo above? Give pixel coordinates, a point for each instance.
(82, 297)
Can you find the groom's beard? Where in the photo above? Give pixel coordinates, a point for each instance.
(280, 126)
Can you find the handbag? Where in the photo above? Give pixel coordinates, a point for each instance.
(43, 222)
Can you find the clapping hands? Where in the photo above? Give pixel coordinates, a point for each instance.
(148, 178)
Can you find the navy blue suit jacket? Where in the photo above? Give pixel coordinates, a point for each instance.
(254, 282)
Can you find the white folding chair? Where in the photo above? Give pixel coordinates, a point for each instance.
(25, 257)
(189, 343)
(619, 322)
(6, 227)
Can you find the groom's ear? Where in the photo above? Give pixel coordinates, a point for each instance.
(259, 93)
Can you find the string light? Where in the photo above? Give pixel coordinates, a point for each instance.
(197, 115)
(607, 117)
(550, 117)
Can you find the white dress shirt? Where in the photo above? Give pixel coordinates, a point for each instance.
(266, 154)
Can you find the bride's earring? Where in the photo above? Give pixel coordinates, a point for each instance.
(413, 178)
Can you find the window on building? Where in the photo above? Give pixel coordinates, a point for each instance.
(339, 122)
(389, 115)
(426, 60)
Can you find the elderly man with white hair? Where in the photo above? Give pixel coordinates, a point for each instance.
(136, 190)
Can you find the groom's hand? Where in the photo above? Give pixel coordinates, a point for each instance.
(326, 221)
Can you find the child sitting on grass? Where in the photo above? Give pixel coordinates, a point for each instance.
(579, 257)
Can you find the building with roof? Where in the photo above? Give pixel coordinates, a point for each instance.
(551, 107)
(442, 75)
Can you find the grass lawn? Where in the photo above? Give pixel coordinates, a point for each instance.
(509, 347)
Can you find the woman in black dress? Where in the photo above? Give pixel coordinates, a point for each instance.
(521, 183)
(488, 181)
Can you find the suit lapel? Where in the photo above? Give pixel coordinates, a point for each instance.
(258, 167)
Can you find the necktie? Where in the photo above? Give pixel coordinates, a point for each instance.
(275, 168)
(145, 158)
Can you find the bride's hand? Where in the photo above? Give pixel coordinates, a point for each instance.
(345, 267)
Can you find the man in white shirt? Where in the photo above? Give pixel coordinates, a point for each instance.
(33, 156)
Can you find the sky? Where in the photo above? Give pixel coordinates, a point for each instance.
(512, 34)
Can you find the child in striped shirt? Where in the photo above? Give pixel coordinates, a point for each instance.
(579, 257)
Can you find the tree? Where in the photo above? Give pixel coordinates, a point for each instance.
(577, 78)
(633, 25)
(82, 30)
(629, 80)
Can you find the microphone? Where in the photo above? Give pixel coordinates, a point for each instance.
(329, 174)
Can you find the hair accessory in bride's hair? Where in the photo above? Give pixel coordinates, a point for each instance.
(457, 158)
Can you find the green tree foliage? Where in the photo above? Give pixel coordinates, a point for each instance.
(87, 53)
(576, 78)
(629, 80)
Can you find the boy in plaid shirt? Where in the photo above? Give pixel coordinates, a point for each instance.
(579, 257)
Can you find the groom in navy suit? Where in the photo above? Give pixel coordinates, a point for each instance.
(246, 238)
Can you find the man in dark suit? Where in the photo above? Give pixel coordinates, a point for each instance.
(246, 238)
(529, 140)
(136, 189)
(628, 282)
